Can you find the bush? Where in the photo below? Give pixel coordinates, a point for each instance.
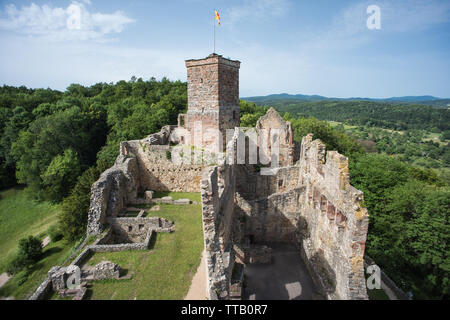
(17, 264)
(54, 233)
(30, 251)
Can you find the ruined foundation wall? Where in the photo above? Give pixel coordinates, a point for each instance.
(133, 230)
(217, 189)
(141, 165)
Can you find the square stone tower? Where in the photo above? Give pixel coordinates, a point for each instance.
(213, 98)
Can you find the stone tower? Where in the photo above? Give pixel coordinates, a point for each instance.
(213, 98)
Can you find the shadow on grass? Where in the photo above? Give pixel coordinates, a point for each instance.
(123, 273)
(152, 241)
(88, 294)
(160, 194)
(51, 251)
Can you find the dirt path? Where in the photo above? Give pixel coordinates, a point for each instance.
(46, 241)
(4, 278)
(197, 291)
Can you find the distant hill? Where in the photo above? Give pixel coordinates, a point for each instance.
(274, 98)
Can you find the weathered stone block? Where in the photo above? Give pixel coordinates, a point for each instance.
(106, 270)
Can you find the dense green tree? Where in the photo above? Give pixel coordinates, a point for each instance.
(334, 139)
(49, 136)
(29, 252)
(61, 175)
(408, 222)
(73, 217)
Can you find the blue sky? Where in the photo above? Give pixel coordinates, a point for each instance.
(309, 47)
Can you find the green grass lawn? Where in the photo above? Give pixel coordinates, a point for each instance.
(193, 196)
(377, 294)
(19, 218)
(53, 254)
(163, 272)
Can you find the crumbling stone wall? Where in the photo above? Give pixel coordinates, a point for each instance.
(272, 121)
(142, 165)
(110, 194)
(333, 222)
(130, 230)
(217, 214)
(268, 205)
(158, 171)
(106, 270)
(308, 202)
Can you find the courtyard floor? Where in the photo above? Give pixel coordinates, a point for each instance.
(286, 278)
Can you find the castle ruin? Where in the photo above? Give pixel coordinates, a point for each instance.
(305, 200)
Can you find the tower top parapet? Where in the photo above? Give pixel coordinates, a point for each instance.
(213, 58)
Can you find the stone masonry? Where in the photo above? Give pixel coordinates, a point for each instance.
(213, 99)
(306, 201)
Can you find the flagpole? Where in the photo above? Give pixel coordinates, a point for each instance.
(214, 22)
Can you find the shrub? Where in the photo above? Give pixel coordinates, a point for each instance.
(30, 251)
(54, 233)
(17, 264)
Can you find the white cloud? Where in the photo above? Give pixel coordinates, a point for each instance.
(258, 10)
(60, 24)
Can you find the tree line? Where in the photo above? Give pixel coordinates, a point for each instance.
(379, 114)
(57, 144)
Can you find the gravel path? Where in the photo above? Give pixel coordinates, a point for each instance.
(46, 241)
(4, 278)
(197, 291)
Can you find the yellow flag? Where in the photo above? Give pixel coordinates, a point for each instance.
(217, 17)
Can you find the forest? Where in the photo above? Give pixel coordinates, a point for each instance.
(386, 115)
(55, 144)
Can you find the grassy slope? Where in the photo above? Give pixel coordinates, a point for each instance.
(21, 217)
(52, 255)
(165, 271)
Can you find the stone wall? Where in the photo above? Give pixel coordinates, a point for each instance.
(159, 172)
(217, 216)
(133, 230)
(213, 98)
(268, 205)
(333, 222)
(142, 165)
(43, 290)
(110, 194)
(272, 121)
(310, 204)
